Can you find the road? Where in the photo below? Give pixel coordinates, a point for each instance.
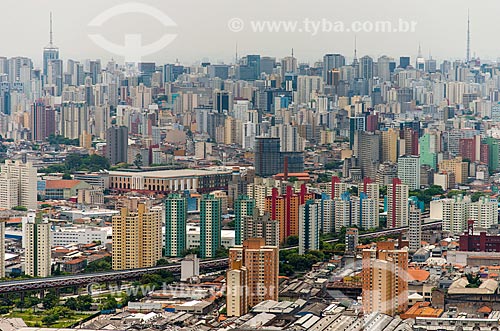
(111, 276)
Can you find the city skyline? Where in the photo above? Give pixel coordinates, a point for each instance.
(71, 34)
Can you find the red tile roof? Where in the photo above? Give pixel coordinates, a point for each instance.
(61, 184)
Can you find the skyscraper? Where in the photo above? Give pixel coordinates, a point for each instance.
(137, 237)
(243, 207)
(50, 52)
(366, 67)
(367, 152)
(175, 225)
(117, 144)
(397, 202)
(43, 121)
(37, 257)
(267, 156)
(262, 266)
(385, 279)
(210, 221)
(332, 61)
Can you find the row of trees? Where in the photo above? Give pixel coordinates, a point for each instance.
(76, 162)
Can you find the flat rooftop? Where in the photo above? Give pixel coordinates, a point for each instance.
(169, 173)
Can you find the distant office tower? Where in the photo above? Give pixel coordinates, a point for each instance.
(175, 224)
(257, 226)
(404, 62)
(389, 145)
(366, 67)
(262, 264)
(210, 221)
(384, 68)
(236, 293)
(429, 146)
(74, 119)
(43, 121)
(37, 257)
(414, 228)
(267, 156)
(367, 152)
(137, 237)
(309, 227)
(267, 64)
(385, 279)
(355, 124)
(18, 182)
(285, 209)
(308, 87)
(397, 204)
(409, 171)
(117, 144)
(50, 52)
(243, 207)
(332, 61)
(351, 240)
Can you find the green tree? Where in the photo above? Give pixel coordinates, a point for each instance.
(20, 208)
(103, 264)
(66, 176)
(50, 301)
(109, 303)
(138, 161)
(292, 241)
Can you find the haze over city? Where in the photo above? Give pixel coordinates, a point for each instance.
(203, 33)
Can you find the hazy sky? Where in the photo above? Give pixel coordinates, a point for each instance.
(202, 28)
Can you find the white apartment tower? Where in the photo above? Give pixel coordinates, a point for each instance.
(409, 171)
(24, 176)
(37, 258)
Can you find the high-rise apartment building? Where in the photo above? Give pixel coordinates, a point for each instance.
(261, 226)
(409, 171)
(385, 279)
(175, 224)
(397, 204)
(262, 266)
(37, 257)
(210, 221)
(18, 182)
(137, 237)
(285, 209)
(309, 226)
(414, 228)
(236, 293)
(243, 207)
